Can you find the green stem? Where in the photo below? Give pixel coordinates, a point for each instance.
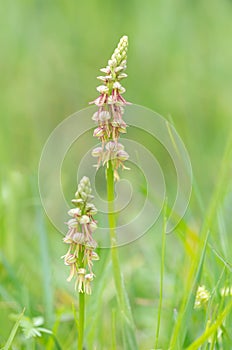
(81, 323)
(161, 274)
(113, 238)
(127, 323)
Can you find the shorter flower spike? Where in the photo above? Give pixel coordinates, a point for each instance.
(79, 237)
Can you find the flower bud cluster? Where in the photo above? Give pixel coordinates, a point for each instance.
(79, 237)
(109, 117)
(202, 297)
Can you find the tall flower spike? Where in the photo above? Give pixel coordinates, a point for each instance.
(110, 123)
(80, 238)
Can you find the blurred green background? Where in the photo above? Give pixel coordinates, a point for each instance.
(179, 64)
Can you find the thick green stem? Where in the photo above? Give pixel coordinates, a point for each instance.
(81, 323)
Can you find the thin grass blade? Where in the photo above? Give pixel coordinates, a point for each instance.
(13, 332)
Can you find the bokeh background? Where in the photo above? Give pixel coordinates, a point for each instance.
(179, 64)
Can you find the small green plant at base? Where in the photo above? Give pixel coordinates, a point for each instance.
(30, 327)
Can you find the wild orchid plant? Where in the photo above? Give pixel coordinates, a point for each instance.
(111, 154)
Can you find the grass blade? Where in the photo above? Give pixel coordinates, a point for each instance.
(46, 266)
(13, 332)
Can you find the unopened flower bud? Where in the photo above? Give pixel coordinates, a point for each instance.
(70, 259)
(105, 70)
(84, 219)
(111, 146)
(122, 155)
(105, 78)
(91, 244)
(117, 85)
(118, 69)
(122, 90)
(98, 132)
(119, 146)
(79, 238)
(102, 89)
(123, 64)
(91, 209)
(124, 53)
(112, 63)
(104, 115)
(77, 201)
(119, 57)
(84, 196)
(72, 223)
(97, 152)
(122, 76)
(74, 212)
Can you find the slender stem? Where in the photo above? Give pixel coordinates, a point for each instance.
(113, 238)
(113, 330)
(127, 323)
(161, 275)
(81, 306)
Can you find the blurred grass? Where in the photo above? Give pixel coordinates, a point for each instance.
(179, 64)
